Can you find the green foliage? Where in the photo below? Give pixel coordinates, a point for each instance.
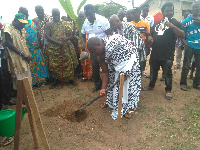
(81, 4)
(108, 9)
(67, 6)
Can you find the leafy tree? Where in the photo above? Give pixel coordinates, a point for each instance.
(108, 9)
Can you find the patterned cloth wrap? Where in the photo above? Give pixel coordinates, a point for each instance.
(122, 57)
(70, 61)
(38, 66)
(42, 27)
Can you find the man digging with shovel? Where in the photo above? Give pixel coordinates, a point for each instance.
(116, 55)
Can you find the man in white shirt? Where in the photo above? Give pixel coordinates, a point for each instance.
(94, 26)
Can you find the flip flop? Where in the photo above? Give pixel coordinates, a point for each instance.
(129, 114)
(104, 105)
(6, 141)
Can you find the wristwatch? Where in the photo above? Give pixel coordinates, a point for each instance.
(21, 53)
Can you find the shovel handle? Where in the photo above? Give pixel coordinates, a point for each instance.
(89, 103)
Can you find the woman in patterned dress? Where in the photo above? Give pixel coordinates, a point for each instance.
(38, 66)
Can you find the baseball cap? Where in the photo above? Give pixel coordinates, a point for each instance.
(21, 17)
(136, 9)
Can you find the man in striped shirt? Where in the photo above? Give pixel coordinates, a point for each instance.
(129, 31)
(143, 28)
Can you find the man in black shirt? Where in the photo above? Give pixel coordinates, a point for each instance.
(163, 37)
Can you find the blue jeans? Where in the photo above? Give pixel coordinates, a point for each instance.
(189, 52)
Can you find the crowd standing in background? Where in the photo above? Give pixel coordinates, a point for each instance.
(46, 48)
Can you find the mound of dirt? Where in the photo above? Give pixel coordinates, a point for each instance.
(67, 111)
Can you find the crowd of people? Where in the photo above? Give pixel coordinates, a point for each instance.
(45, 48)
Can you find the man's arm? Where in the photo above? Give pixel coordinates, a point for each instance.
(108, 32)
(105, 74)
(147, 34)
(84, 37)
(179, 33)
(10, 45)
(36, 21)
(48, 35)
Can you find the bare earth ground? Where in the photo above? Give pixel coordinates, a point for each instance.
(157, 123)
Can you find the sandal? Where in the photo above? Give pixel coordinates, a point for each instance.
(129, 114)
(183, 87)
(104, 105)
(169, 96)
(6, 141)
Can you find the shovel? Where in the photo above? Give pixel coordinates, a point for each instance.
(89, 103)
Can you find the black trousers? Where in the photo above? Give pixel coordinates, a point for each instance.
(167, 69)
(189, 52)
(142, 66)
(5, 83)
(95, 71)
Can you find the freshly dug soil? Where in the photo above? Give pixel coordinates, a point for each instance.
(67, 111)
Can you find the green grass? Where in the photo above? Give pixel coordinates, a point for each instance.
(176, 133)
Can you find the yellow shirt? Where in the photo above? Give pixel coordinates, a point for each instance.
(143, 27)
(17, 65)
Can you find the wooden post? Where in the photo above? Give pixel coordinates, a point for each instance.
(31, 121)
(62, 63)
(18, 114)
(120, 99)
(35, 113)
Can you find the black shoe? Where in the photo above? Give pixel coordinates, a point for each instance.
(72, 82)
(96, 89)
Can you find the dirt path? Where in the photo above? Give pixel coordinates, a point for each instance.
(157, 123)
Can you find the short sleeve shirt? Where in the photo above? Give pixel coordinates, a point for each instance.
(97, 29)
(192, 32)
(143, 27)
(164, 40)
